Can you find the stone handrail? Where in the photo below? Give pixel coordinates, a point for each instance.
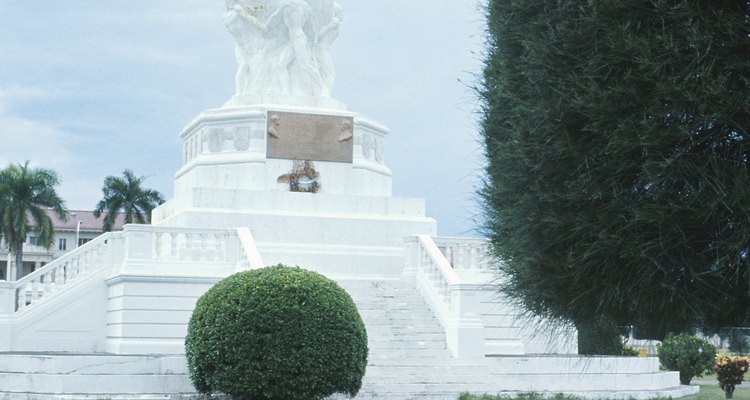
(452, 301)
(55, 276)
(465, 254)
(249, 254)
(435, 267)
(179, 244)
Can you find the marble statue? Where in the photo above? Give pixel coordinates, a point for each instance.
(282, 48)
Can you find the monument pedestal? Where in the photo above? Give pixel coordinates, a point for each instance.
(236, 170)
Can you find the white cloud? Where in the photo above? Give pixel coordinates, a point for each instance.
(43, 145)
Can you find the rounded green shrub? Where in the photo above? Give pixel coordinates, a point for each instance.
(687, 354)
(276, 333)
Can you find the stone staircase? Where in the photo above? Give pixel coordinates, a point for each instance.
(408, 359)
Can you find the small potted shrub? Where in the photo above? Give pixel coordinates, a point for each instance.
(730, 371)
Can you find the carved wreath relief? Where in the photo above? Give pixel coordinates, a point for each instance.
(372, 148)
(241, 138)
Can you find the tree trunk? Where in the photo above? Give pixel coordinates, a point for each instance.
(729, 391)
(19, 261)
(685, 377)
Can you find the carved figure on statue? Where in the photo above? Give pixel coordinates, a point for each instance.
(282, 49)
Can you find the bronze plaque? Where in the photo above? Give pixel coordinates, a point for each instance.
(314, 137)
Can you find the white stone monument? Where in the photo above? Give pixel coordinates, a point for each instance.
(282, 51)
(281, 157)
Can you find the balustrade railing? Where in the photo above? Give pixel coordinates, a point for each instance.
(436, 265)
(175, 244)
(465, 254)
(249, 257)
(62, 272)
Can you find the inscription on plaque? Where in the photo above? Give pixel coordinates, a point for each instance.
(297, 136)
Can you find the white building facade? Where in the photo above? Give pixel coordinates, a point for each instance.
(80, 228)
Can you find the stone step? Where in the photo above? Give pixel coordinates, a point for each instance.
(452, 393)
(95, 384)
(97, 364)
(424, 316)
(398, 345)
(81, 396)
(389, 306)
(572, 364)
(415, 329)
(409, 354)
(583, 382)
(443, 360)
(436, 379)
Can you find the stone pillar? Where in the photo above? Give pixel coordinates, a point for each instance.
(468, 340)
(411, 258)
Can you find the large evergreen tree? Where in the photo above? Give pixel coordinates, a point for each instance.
(617, 135)
(126, 195)
(25, 196)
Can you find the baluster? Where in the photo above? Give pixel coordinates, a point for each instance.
(183, 247)
(98, 255)
(85, 262)
(478, 256)
(21, 298)
(172, 245)
(160, 242)
(77, 267)
(190, 246)
(202, 248)
(446, 292)
(436, 275)
(60, 276)
(467, 261)
(71, 268)
(81, 263)
(47, 283)
(459, 261)
(219, 240)
(34, 289)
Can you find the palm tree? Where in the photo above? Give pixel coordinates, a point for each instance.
(26, 194)
(125, 194)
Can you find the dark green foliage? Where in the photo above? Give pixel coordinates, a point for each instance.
(687, 354)
(628, 351)
(126, 195)
(617, 140)
(25, 196)
(276, 333)
(599, 337)
(739, 342)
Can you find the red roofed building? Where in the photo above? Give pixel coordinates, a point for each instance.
(80, 227)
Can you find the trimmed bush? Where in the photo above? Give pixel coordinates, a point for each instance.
(687, 354)
(276, 333)
(628, 351)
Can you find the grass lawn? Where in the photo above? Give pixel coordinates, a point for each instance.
(708, 392)
(714, 392)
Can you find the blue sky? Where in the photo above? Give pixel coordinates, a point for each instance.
(89, 88)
